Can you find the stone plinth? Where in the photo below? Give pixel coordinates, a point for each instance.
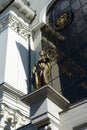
(46, 104)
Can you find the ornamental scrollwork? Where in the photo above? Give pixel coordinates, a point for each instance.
(12, 118)
(16, 25)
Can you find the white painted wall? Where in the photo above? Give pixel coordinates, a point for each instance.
(17, 61)
(38, 5)
(3, 49)
(76, 116)
(41, 7)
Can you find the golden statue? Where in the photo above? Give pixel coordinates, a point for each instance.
(41, 71)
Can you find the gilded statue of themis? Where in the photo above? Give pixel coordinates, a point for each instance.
(41, 71)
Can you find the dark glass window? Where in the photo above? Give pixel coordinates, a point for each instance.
(81, 25)
(85, 9)
(75, 5)
(72, 51)
(83, 2)
(78, 15)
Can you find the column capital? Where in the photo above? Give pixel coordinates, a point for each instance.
(15, 24)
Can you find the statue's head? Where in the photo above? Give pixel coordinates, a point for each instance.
(42, 53)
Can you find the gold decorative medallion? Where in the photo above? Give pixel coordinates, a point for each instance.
(62, 19)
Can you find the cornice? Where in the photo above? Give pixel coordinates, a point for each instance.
(46, 92)
(8, 88)
(11, 21)
(24, 8)
(20, 5)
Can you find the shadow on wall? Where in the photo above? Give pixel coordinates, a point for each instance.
(24, 54)
(26, 59)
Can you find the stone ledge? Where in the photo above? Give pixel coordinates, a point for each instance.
(46, 92)
(9, 89)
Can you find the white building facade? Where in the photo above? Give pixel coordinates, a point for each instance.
(58, 28)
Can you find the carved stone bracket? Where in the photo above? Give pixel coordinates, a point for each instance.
(14, 24)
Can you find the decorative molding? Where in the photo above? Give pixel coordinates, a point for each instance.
(49, 44)
(10, 89)
(21, 6)
(11, 117)
(16, 25)
(25, 9)
(13, 112)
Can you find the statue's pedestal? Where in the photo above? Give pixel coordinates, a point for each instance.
(46, 104)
